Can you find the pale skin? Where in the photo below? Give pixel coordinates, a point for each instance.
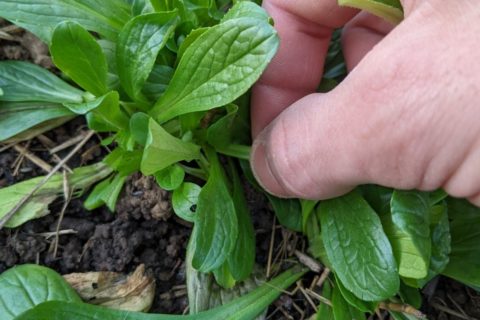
(407, 116)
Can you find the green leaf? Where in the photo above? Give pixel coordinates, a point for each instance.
(24, 81)
(358, 248)
(410, 296)
(288, 212)
(308, 207)
(192, 36)
(37, 206)
(109, 49)
(111, 193)
(364, 306)
(95, 198)
(185, 199)
(141, 7)
(246, 9)
(215, 220)
(464, 262)
(106, 193)
(170, 178)
(244, 308)
(219, 134)
(342, 310)
(157, 82)
(224, 277)
(108, 113)
(124, 162)
(41, 16)
(163, 5)
(378, 198)
(139, 43)
(325, 312)
(242, 259)
(408, 230)
(17, 117)
(139, 127)
(441, 244)
(316, 247)
(76, 52)
(390, 10)
(162, 150)
(83, 108)
(23, 287)
(193, 89)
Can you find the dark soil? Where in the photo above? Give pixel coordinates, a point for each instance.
(143, 229)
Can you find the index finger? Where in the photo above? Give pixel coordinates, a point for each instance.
(304, 28)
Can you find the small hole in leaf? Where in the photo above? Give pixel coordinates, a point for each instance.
(193, 208)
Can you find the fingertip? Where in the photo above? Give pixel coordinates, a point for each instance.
(262, 171)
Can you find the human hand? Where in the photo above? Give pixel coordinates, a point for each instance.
(407, 116)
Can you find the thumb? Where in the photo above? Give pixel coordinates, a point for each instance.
(390, 122)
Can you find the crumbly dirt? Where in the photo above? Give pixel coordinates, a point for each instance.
(144, 230)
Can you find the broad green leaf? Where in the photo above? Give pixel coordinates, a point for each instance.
(40, 17)
(288, 212)
(215, 220)
(464, 264)
(23, 287)
(241, 260)
(342, 310)
(365, 306)
(358, 248)
(408, 229)
(139, 127)
(157, 82)
(138, 45)
(170, 178)
(441, 244)
(246, 9)
(17, 117)
(24, 81)
(37, 206)
(243, 308)
(162, 150)
(185, 199)
(76, 52)
(390, 10)
(202, 81)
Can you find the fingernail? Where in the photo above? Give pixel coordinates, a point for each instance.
(262, 171)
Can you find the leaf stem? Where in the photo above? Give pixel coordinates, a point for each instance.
(237, 151)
